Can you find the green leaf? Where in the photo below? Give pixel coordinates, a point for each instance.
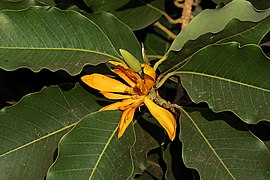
(42, 37)
(45, 2)
(30, 130)
(154, 170)
(238, 21)
(149, 136)
(220, 151)
(119, 33)
(93, 151)
(215, 21)
(157, 42)
(139, 14)
(105, 5)
(176, 169)
(16, 5)
(230, 78)
(262, 4)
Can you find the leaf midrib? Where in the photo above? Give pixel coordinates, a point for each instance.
(152, 7)
(223, 79)
(207, 142)
(39, 139)
(60, 49)
(102, 153)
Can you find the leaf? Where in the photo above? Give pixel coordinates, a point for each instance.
(139, 14)
(157, 42)
(220, 151)
(238, 21)
(52, 39)
(30, 130)
(176, 169)
(215, 21)
(119, 33)
(149, 136)
(16, 5)
(105, 5)
(93, 151)
(46, 2)
(154, 170)
(262, 4)
(230, 78)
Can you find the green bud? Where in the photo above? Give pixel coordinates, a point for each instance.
(131, 61)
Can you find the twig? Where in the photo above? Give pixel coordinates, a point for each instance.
(166, 30)
(171, 20)
(187, 13)
(187, 10)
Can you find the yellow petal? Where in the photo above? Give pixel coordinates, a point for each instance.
(115, 63)
(133, 76)
(149, 76)
(104, 83)
(118, 105)
(116, 96)
(149, 71)
(164, 117)
(126, 118)
(138, 101)
(124, 77)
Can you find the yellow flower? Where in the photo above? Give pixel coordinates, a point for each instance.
(132, 96)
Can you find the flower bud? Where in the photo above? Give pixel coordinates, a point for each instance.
(131, 61)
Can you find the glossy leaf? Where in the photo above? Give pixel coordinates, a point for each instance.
(220, 151)
(119, 33)
(105, 5)
(227, 24)
(56, 40)
(30, 130)
(230, 78)
(139, 14)
(93, 151)
(16, 5)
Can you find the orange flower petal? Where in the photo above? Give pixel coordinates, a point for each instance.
(116, 96)
(118, 105)
(135, 104)
(104, 83)
(124, 77)
(130, 74)
(164, 117)
(126, 118)
(115, 63)
(149, 71)
(149, 75)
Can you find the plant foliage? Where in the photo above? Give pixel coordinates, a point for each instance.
(212, 75)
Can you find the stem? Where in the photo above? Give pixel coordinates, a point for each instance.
(166, 30)
(170, 19)
(179, 3)
(162, 81)
(159, 62)
(186, 13)
(178, 107)
(154, 56)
